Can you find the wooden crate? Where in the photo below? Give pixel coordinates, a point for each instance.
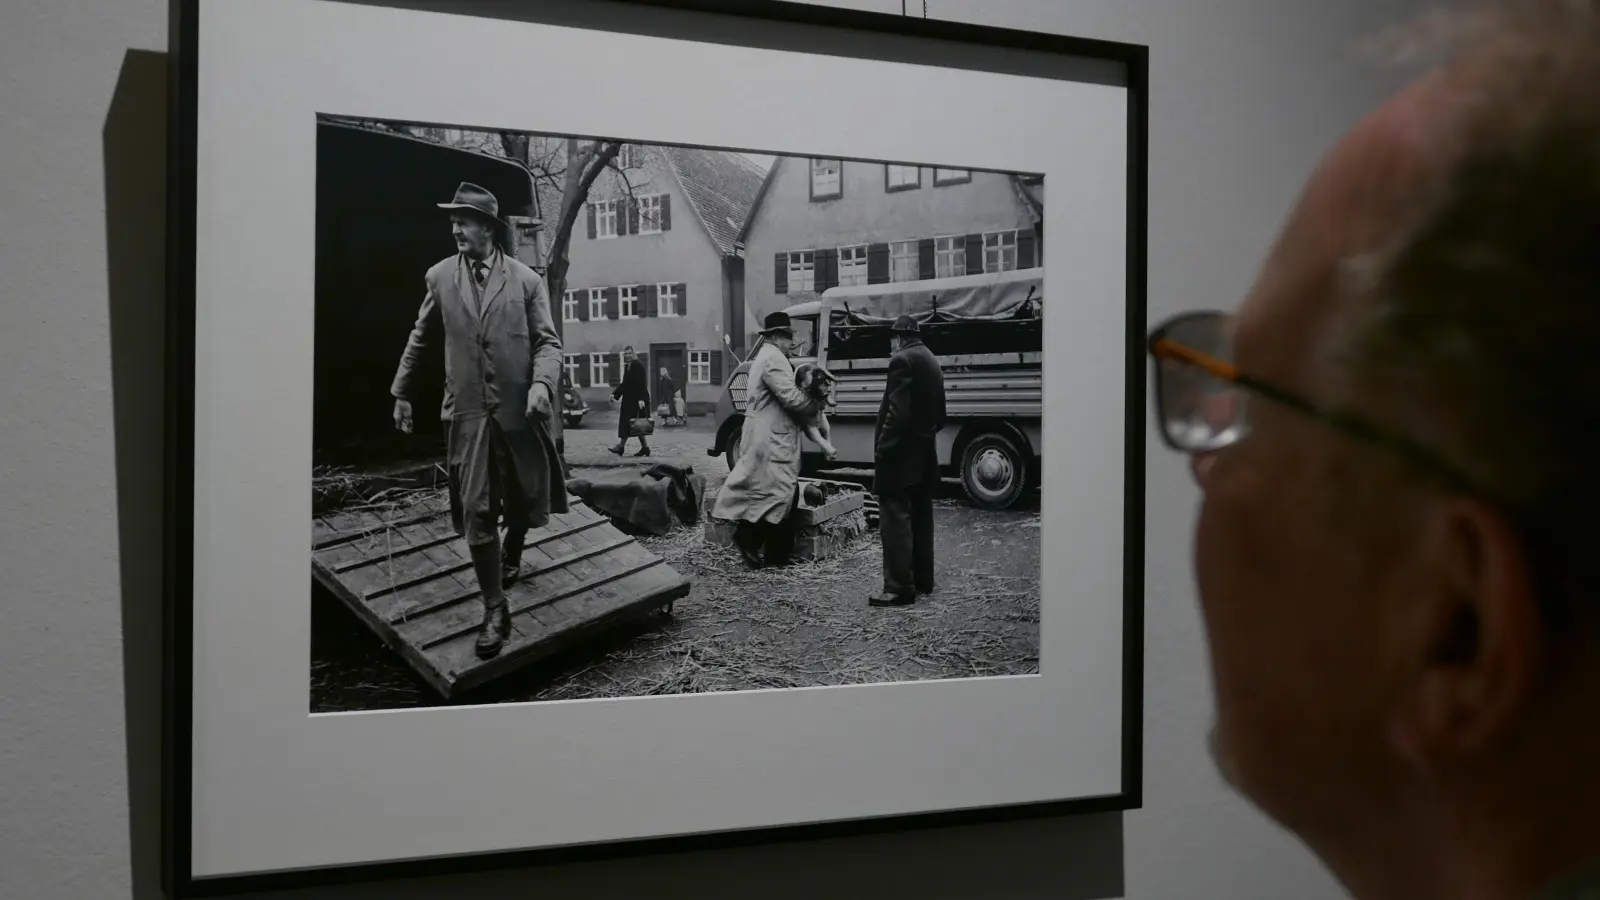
(409, 578)
(812, 540)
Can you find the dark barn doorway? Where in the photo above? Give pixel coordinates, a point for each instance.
(378, 230)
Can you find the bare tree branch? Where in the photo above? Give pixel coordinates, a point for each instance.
(591, 160)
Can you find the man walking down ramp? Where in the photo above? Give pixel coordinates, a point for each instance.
(906, 465)
(502, 359)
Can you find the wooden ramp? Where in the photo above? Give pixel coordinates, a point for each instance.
(409, 577)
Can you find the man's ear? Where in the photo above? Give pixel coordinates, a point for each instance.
(1470, 641)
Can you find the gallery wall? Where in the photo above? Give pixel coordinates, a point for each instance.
(1245, 95)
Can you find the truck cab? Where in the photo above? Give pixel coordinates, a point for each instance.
(987, 332)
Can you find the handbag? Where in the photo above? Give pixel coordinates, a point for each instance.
(639, 427)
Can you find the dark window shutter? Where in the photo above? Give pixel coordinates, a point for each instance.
(633, 214)
(613, 305)
(583, 305)
(649, 301)
(827, 271)
(666, 212)
(616, 371)
(592, 231)
(683, 299)
(878, 264)
(583, 371)
(1025, 249)
(780, 273)
(925, 265)
(974, 254)
(716, 366)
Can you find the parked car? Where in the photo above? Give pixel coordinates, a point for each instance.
(572, 406)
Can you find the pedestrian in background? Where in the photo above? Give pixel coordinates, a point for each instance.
(906, 465)
(632, 400)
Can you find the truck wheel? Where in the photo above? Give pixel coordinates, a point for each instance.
(993, 471)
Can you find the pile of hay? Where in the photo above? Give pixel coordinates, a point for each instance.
(767, 628)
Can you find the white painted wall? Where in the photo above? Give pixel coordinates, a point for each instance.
(1245, 95)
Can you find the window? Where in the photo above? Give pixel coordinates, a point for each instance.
(900, 178)
(605, 218)
(597, 370)
(903, 261)
(650, 214)
(627, 157)
(1000, 251)
(666, 300)
(569, 306)
(853, 265)
(597, 303)
(630, 302)
(699, 366)
(949, 256)
(825, 178)
(943, 177)
(570, 363)
(802, 271)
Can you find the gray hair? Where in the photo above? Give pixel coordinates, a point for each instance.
(1480, 320)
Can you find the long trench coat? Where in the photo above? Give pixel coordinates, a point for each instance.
(498, 342)
(762, 483)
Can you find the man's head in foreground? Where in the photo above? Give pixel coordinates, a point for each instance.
(1400, 509)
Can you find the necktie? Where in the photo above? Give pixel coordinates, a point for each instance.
(480, 271)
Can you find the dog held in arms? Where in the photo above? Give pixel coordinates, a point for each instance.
(817, 383)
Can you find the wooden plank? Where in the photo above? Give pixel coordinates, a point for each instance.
(535, 538)
(380, 545)
(408, 578)
(471, 672)
(458, 619)
(419, 662)
(529, 573)
(359, 524)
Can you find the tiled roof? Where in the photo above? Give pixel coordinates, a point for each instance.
(1030, 191)
(721, 186)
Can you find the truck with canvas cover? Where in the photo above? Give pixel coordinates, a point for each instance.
(987, 331)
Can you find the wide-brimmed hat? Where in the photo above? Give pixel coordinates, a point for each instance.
(778, 321)
(905, 325)
(472, 197)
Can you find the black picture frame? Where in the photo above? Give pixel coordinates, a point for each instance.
(185, 17)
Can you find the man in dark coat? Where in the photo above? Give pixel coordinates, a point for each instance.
(502, 360)
(906, 465)
(632, 397)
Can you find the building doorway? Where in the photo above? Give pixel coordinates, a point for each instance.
(673, 358)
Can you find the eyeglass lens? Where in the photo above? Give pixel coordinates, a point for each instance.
(1199, 411)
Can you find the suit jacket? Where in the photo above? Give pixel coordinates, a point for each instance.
(762, 483)
(499, 341)
(910, 415)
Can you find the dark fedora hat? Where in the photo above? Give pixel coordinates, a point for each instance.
(778, 321)
(905, 325)
(472, 197)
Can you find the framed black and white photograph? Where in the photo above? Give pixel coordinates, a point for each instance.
(608, 426)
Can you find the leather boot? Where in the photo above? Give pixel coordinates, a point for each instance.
(496, 627)
(747, 540)
(511, 559)
(496, 616)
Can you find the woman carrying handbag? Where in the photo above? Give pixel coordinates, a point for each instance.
(632, 397)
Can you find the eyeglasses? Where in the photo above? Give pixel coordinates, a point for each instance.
(1202, 400)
